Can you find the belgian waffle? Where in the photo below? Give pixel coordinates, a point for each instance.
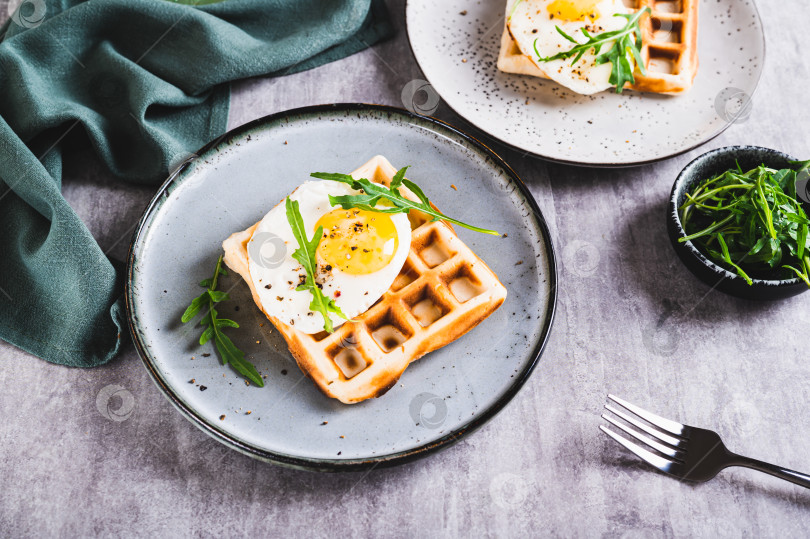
(443, 291)
(669, 49)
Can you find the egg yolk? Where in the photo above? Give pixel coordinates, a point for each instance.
(574, 10)
(357, 241)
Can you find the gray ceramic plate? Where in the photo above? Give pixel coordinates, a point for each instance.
(457, 53)
(231, 184)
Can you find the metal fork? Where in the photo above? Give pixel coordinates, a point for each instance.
(685, 452)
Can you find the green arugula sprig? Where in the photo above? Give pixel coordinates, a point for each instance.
(228, 351)
(628, 39)
(373, 193)
(751, 222)
(512, 11)
(305, 255)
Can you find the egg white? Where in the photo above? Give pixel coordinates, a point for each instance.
(532, 21)
(270, 262)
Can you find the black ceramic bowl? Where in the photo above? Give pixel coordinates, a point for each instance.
(708, 165)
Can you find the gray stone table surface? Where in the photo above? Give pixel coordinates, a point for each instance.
(634, 322)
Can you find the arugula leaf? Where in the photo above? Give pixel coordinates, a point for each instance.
(305, 255)
(512, 11)
(626, 40)
(755, 218)
(228, 352)
(373, 193)
(801, 165)
(196, 304)
(727, 258)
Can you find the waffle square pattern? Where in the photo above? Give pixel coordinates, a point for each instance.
(443, 291)
(669, 50)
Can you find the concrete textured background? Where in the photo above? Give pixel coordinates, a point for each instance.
(631, 320)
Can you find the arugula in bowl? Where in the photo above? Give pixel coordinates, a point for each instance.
(751, 223)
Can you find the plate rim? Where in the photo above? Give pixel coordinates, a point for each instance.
(330, 464)
(608, 164)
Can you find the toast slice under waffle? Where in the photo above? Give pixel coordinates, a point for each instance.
(669, 49)
(443, 291)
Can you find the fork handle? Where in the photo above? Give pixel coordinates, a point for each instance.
(772, 469)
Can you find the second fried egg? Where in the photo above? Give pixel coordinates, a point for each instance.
(533, 24)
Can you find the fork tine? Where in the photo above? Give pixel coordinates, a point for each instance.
(673, 427)
(671, 440)
(658, 446)
(663, 464)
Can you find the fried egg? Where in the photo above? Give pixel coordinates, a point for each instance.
(359, 256)
(533, 23)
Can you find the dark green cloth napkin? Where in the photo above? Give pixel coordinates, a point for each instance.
(146, 82)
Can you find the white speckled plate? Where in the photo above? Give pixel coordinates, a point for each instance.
(545, 119)
(230, 185)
